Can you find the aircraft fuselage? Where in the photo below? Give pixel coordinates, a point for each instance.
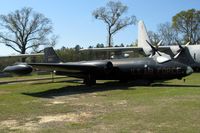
(132, 69)
(147, 68)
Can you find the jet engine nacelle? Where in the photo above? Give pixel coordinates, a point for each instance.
(108, 67)
(20, 69)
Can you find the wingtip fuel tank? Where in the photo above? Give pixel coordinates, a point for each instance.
(19, 69)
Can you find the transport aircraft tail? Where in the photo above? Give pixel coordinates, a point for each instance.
(50, 56)
(143, 38)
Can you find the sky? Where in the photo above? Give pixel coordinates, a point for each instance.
(74, 24)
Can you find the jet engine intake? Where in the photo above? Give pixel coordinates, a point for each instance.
(108, 67)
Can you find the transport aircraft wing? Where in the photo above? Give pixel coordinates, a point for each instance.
(113, 49)
(118, 52)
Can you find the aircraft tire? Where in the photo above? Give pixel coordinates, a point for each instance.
(89, 80)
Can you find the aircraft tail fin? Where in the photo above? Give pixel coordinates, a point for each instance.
(143, 38)
(50, 56)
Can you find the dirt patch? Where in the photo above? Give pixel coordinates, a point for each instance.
(73, 98)
(29, 126)
(121, 102)
(94, 94)
(70, 117)
(15, 125)
(83, 104)
(164, 125)
(55, 102)
(33, 125)
(8, 123)
(141, 109)
(4, 92)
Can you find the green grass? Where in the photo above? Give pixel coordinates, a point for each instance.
(43, 106)
(27, 77)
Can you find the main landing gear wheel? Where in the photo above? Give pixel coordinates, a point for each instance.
(89, 80)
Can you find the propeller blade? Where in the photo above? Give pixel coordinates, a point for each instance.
(150, 45)
(187, 44)
(180, 46)
(160, 43)
(177, 55)
(159, 53)
(181, 49)
(155, 49)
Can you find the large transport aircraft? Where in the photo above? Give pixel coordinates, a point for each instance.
(127, 69)
(190, 53)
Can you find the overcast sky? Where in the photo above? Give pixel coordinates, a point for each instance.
(74, 24)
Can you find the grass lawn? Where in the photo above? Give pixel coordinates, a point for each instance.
(67, 106)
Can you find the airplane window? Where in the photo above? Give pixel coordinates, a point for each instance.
(162, 59)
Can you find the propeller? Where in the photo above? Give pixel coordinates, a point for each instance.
(181, 49)
(155, 48)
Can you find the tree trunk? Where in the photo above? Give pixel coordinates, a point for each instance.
(109, 37)
(109, 41)
(23, 51)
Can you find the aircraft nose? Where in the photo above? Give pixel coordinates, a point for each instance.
(189, 70)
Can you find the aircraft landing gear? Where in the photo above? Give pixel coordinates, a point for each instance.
(89, 80)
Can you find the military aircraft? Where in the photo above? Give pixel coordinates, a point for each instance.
(190, 57)
(190, 53)
(21, 56)
(146, 68)
(143, 45)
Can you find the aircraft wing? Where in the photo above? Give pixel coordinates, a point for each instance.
(113, 49)
(165, 49)
(170, 50)
(22, 55)
(62, 67)
(74, 66)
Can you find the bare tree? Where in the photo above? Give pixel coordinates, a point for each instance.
(52, 41)
(112, 15)
(24, 29)
(154, 37)
(168, 33)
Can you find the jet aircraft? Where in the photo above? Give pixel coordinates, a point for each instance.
(145, 68)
